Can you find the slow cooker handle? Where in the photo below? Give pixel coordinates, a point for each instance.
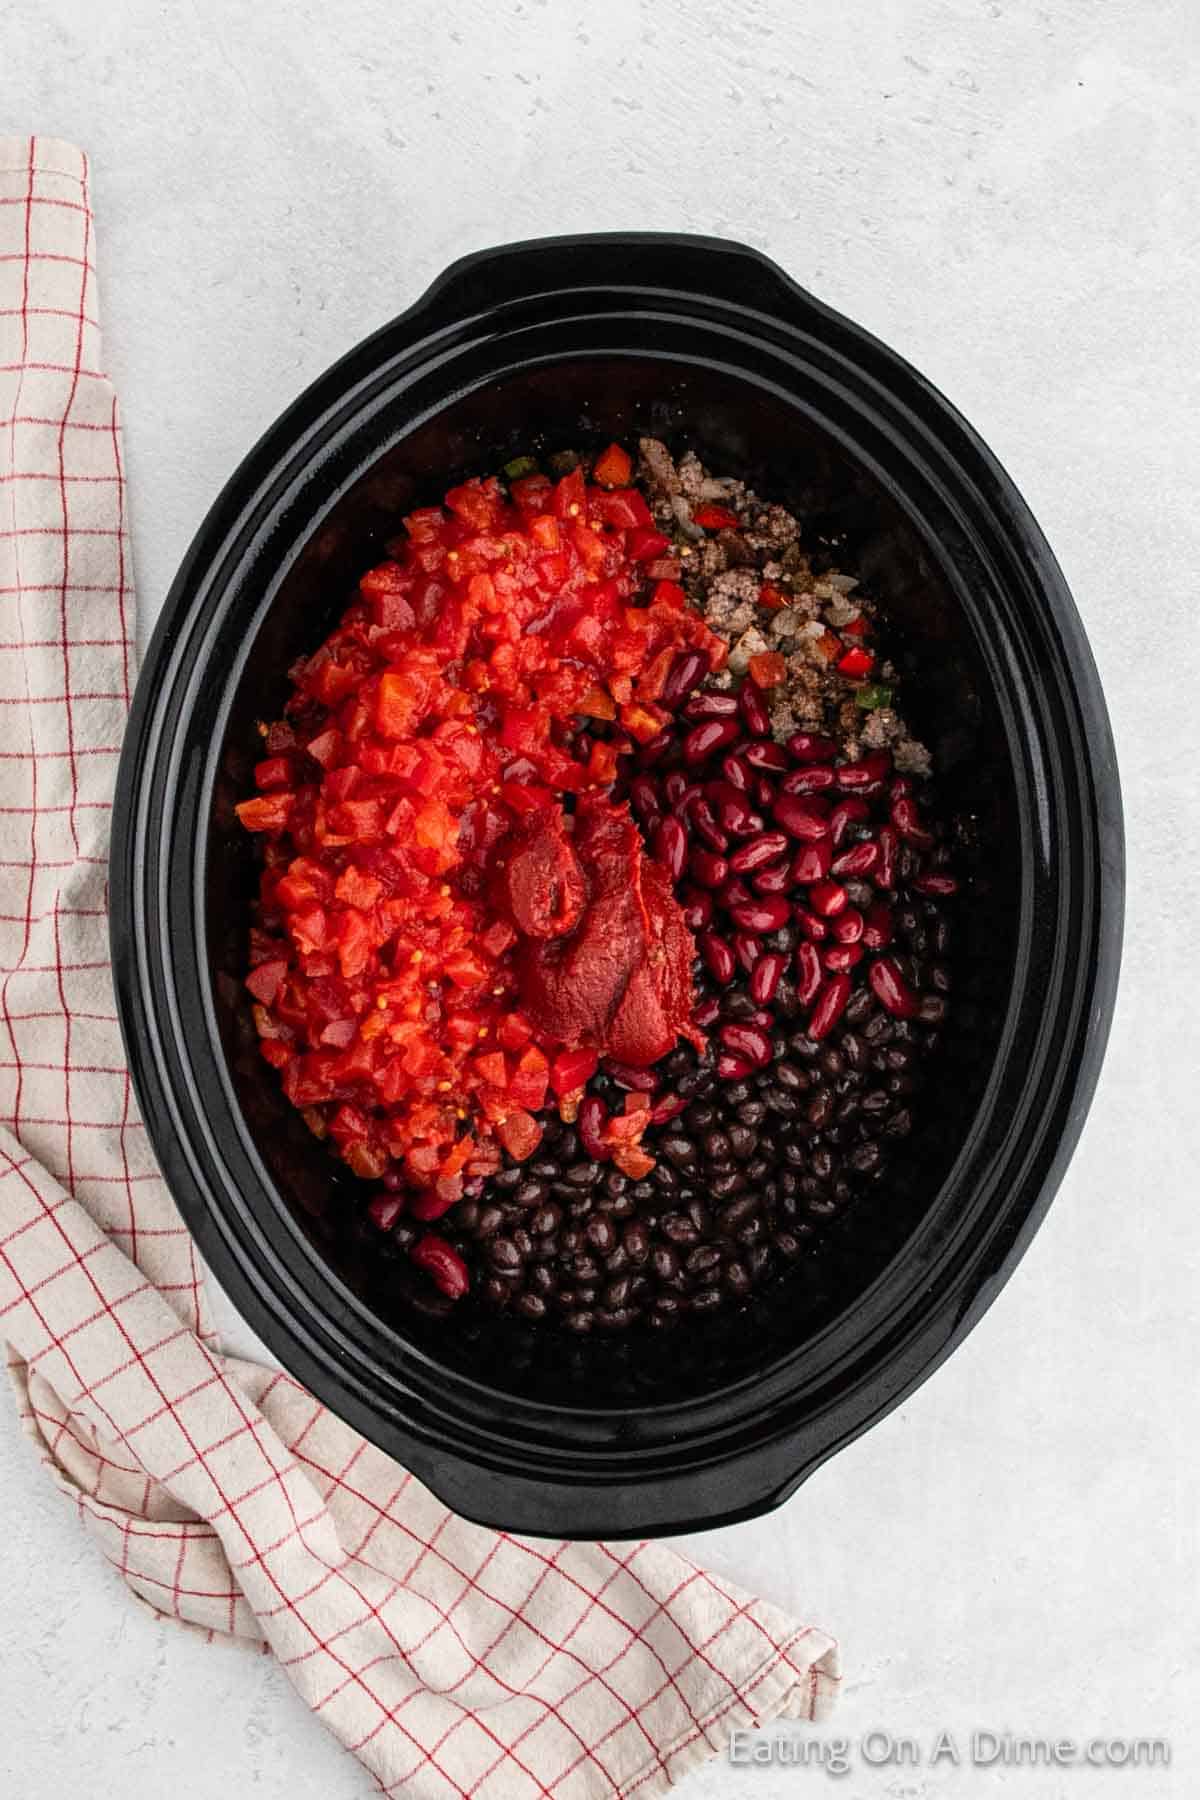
(712, 268)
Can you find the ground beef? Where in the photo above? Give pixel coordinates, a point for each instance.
(723, 575)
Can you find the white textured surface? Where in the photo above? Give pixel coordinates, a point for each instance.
(1006, 192)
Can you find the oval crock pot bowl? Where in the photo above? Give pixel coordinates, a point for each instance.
(571, 342)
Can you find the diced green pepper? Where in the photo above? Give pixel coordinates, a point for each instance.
(873, 694)
(520, 465)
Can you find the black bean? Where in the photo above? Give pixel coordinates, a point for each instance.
(600, 1233)
(743, 1142)
(664, 1262)
(504, 1253)
(531, 1193)
(636, 1241)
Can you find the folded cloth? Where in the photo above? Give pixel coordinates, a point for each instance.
(451, 1659)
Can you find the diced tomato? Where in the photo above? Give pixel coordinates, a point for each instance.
(399, 705)
(570, 496)
(492, 1068)
(625, 509)
(767, 669)
(529, 1079)
(266, 980)
(477, 502)
(715, 518)
(856, 663)
(441, 714)
(356, 889)
(514, 1031)
(613, 467)
(859, 627)
(324, 747)
(274, 772)
(531, 493)
(645, 544)
(269, 813)
(572, 1069)
(520, 1134)
(771, 598)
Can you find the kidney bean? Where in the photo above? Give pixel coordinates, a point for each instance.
(590, 1123)
(707, 868)
(731, 809)
(851, 811)
(885, 870)
(667, 1107)
(717, 957)
(734, 771)
(936, 883)
(639, 1081)
(766, 976)
(830, 1005)
(750, 1041)
(766, 756)
(809, 974)
(907, 821)
(813, 779)
(763, 790)
(768, 913)
(707, 1013)
(839, 959)
(828, 898)
(890, 988)
(703, 821)
(809, 925)
(806, 747)
(754, 710)
(443, 1265)
(644, 798)
(384, 1209)
(859, 860)
(760, 851)
(674, 784)
(731, 1067)
(801, 817)
(776, 878)
(732, 892)
(812, 862)
(705, 739)
(687, 672)
(747, 950)
(711, 704)
(866, 774)
(697, 908)
(848, 925)
(669, 846)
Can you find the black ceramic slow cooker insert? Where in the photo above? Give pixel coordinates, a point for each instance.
(568, 343)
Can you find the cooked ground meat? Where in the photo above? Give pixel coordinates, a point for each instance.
(724, 573)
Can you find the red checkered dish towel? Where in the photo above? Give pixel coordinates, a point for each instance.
(450, 1659)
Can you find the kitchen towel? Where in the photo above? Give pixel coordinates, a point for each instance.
(451, 1659)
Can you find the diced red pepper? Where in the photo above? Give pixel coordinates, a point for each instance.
(856, 663)
(613, 467)
(715, 518)
(767, 669)
(268, 813)
(573, 1069)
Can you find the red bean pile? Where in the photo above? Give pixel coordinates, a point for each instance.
(816, 890)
